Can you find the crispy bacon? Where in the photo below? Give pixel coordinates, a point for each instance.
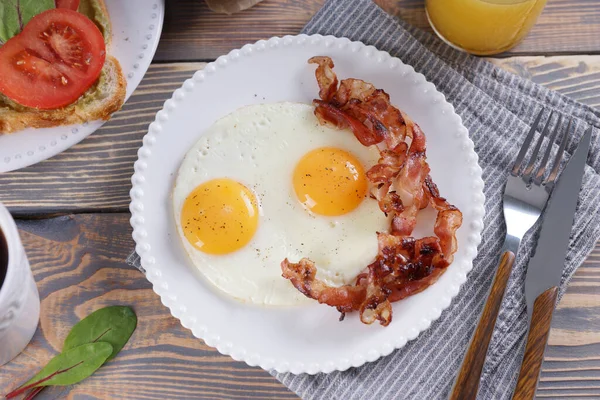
(303, 277)
(327, 79)
(448, 220)
(402, 186)
(381, 175)
(352, 89)
(376, 111)
(331, 115)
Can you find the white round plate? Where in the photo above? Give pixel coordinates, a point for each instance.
(307, 339)
(136, 26)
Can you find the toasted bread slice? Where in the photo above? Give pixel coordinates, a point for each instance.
(101, 100)
(96, 11)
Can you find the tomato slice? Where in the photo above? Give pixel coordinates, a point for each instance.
(70, 4)
(53, 61)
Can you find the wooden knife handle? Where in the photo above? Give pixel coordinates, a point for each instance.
(467, 381)
(543, 307)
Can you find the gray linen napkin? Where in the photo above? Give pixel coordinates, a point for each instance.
(497, 108)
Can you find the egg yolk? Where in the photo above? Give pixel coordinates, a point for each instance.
(220, 216)
(330, 181)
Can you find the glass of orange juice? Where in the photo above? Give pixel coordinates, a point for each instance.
(483, 27)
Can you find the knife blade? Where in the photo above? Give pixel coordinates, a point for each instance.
(546, 266)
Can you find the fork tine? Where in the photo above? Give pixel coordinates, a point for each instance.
(536, 150)
(525, 145)
(561, 149)
(539, 174)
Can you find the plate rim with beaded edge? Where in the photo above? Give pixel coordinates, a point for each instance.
(307, 339)
(136, 27)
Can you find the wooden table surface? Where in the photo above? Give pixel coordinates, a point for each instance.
(73, 216)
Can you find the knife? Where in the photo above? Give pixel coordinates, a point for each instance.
(545, 268)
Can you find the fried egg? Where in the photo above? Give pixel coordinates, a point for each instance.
(268, 182)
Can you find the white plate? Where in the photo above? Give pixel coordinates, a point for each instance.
(136, 28)
(303, 339)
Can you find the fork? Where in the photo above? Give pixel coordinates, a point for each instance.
(525, 195)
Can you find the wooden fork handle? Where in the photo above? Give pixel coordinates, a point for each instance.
(541, 318)
(467, 381)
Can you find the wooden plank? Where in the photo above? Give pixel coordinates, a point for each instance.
(78, 265)
(95, 174)
(193, 32)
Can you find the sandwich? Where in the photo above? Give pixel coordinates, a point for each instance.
(55, 67)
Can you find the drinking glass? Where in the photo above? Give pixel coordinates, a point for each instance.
(19, 298)
(483, 27)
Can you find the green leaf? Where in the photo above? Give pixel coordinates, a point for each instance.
(113, 325)
(92, 341)
(73, 366)
(15, 14)
(68, 367)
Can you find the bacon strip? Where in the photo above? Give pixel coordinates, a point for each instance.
(401, 185)
(327, 79)
(303, 277)
(448, 220)
(332, 116)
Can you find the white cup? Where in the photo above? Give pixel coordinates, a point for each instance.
(19, 298)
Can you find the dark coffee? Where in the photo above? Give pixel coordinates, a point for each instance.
(3, 257)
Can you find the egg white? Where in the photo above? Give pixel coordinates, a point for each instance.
(259, 146)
